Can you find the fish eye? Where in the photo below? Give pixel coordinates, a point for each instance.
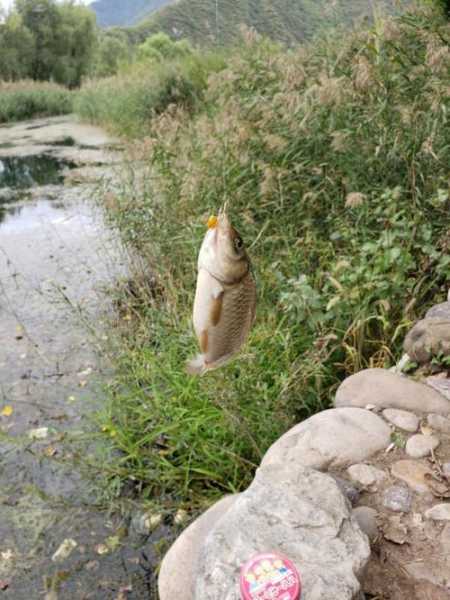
(238, 243)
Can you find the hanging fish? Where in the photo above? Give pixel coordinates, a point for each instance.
(225, 298)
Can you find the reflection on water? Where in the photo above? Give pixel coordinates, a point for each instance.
(20, 217)
(27, 171)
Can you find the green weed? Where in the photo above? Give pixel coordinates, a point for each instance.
(27, 99)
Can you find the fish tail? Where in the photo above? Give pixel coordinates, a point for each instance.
(196, 366)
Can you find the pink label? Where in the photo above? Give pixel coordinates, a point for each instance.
(270, 577)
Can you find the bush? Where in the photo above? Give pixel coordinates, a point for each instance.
(127, 102)
(334, 160)
(27, 99)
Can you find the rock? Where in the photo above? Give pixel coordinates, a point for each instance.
(365, 475)
(299, 512)
(420, 445)
(445, 539)
(402, 419)
(348, 489)
(395, 531)
(176, 577)
(436, 573)
(367, 520)
(439, 423)
(330, 439)
(145, 523)
(439, 512)
(440, 311)
(427, 339)
(397, 498)
(389, 390)
(412, 473)
(440, 384)
(446, 470)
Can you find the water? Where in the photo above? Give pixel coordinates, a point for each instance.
(57, 260)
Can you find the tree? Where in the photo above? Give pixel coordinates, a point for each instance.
(112, 51)
(16, 48)
(160, 45)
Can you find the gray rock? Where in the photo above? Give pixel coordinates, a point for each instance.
(402, 419)
(440, 385)
(446, 469)
(366, 475)
(436, 573)
(420, 445)
(439, 512)
(412, 473)
(384, 389)
(367, 520)
(299, 512)
(395, 531)
(330, 439)
(427, 339)
(397, 498)
(348, 489)
(440, 311)
(439, 423)
(177, 574)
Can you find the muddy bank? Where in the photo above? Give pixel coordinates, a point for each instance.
(57, 259)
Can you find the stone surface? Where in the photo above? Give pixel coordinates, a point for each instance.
(445, 540)
(389, 390)
(177, 574)
(397, 498)
(439, 423)
(412, 473)
(299, 512)
(348, 489)
(367, 520)
(395, 531)
(427, 339)
(440, 385)
(436, 573)
(331, 439)
(440, 311)
(420, 445)
(402, 419)
(446, 470)
(366, 475)
(439, 512)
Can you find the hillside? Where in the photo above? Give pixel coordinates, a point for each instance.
(111, 13)
(290, 21)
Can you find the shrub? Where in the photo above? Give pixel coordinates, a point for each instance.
(26, 99)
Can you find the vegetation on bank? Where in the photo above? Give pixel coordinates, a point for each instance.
(334, 160)
(27, 99)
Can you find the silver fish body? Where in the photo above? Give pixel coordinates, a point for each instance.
(225, 298)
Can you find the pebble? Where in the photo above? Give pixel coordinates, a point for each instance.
(446, 469)
(439, 423)
(412, 473)
(397, 498)
(365, 475)
(402, 419)
(180, 517)
(144, 524)
(38, 434)
(420, 445)
(367, 520)
(439, 512)
(395, 531)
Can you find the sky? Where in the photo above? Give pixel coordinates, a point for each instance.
(7, 3)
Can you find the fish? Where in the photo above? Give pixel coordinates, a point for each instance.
(225, 296)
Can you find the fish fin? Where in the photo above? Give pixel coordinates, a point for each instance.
(216, 309)
(196, 366)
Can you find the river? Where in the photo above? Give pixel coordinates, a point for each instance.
(58, 257)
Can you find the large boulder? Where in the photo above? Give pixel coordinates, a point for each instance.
(333, 438)
(300, 513)
(383, 389)
(177, 574)
(427, 339)
(441, 311)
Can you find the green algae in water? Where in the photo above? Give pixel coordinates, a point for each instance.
(21, 172)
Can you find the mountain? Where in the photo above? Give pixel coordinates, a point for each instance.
(208, 22)
(122, 13)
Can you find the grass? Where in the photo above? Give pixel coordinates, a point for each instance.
(334, 159)
(127, 102)
(28, 99)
